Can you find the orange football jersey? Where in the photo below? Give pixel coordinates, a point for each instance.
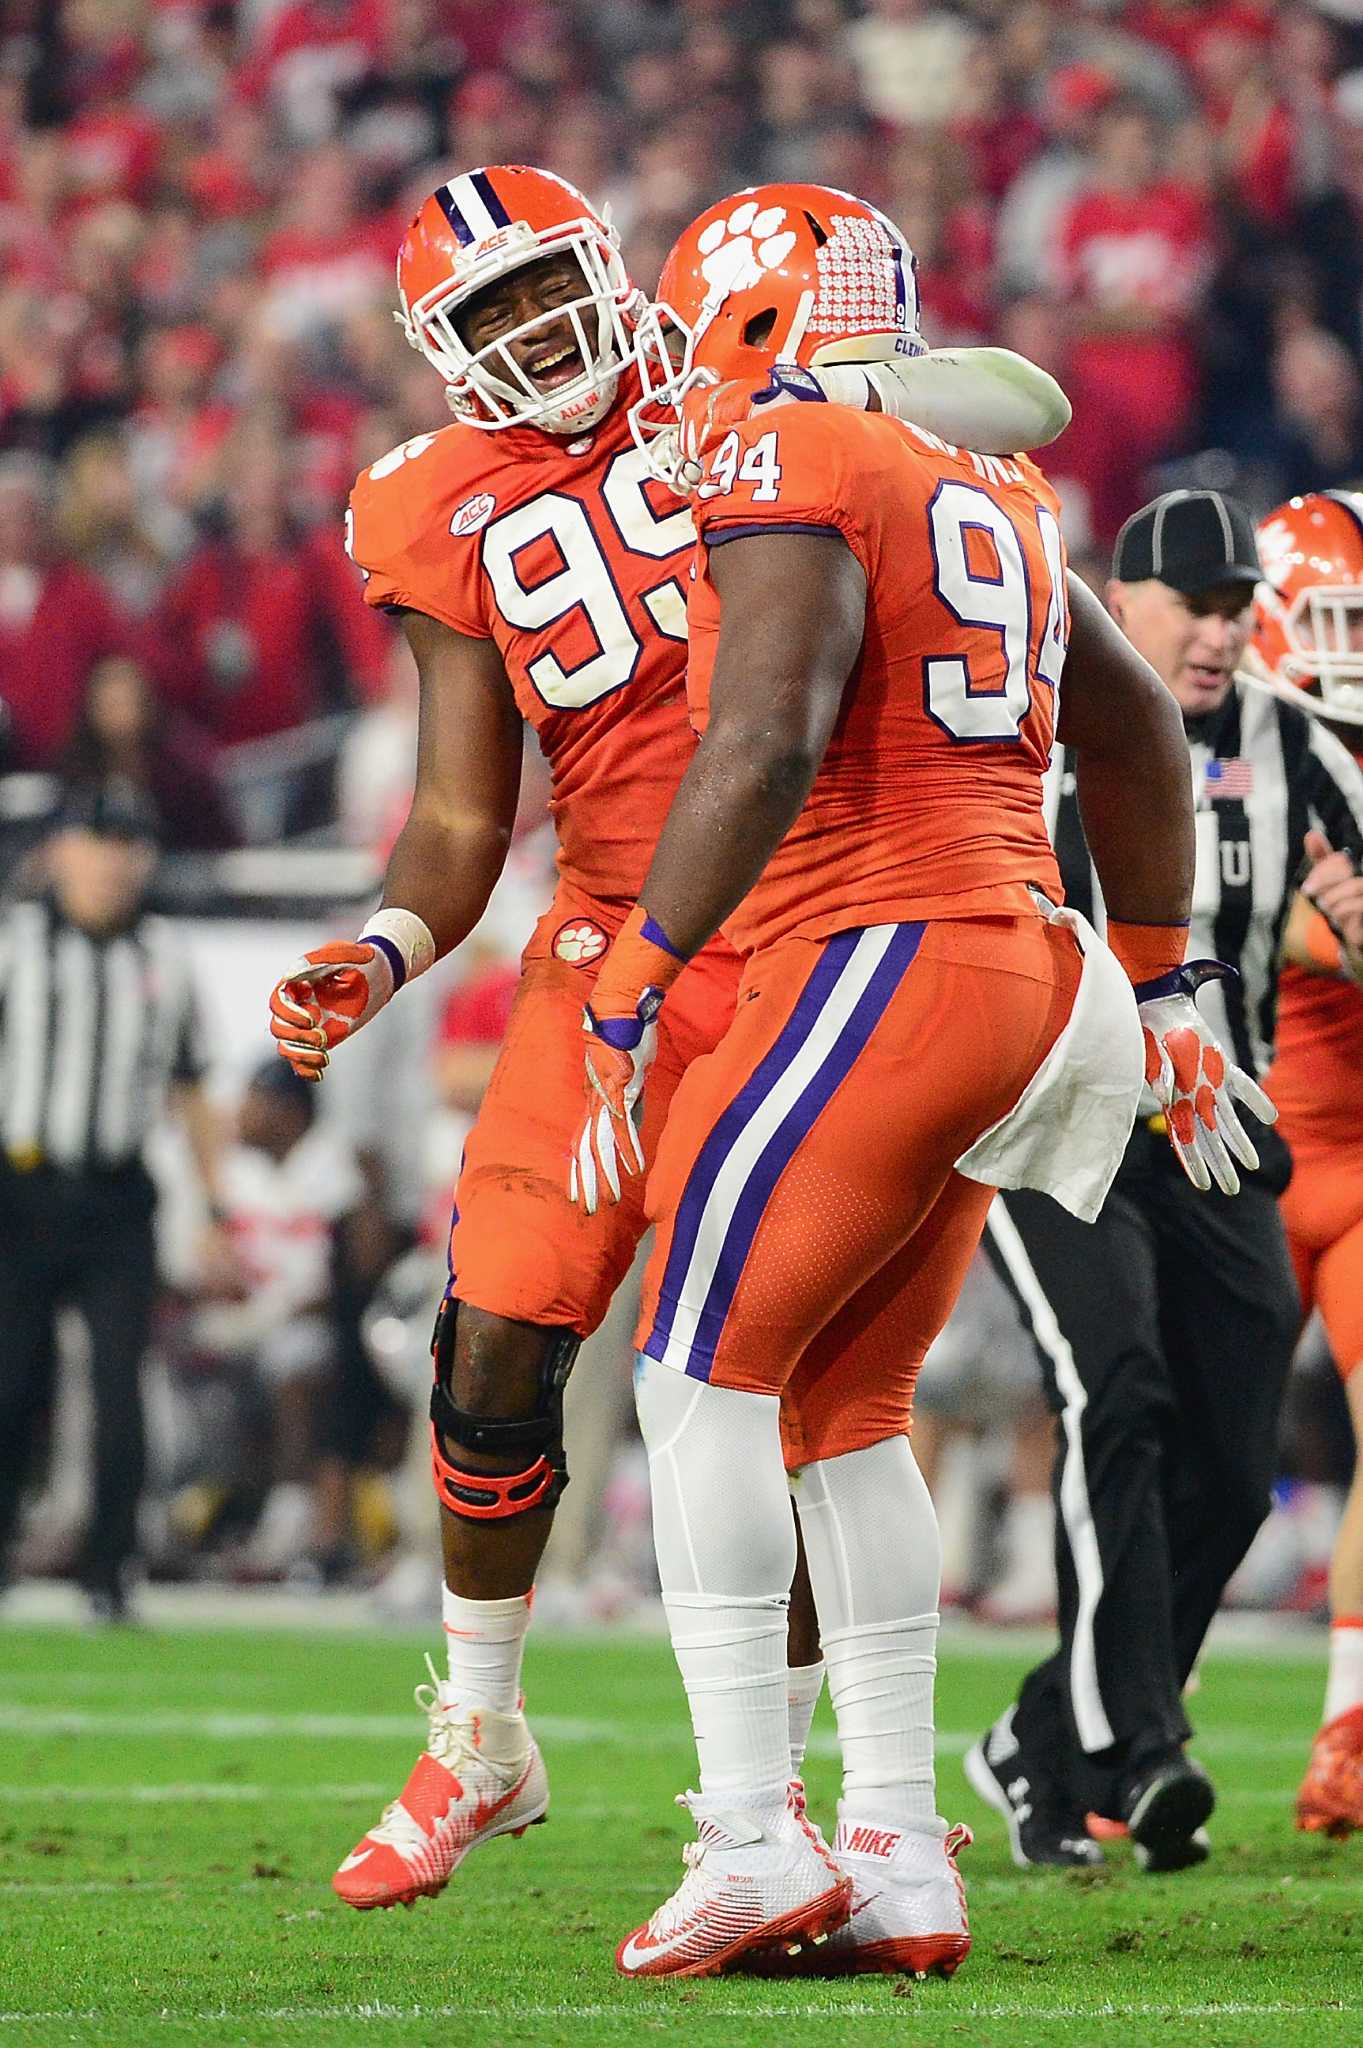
(1317, 1074)
(928, 801)
(573, 560)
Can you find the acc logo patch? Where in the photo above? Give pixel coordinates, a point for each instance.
(579, 943)
(473, 515)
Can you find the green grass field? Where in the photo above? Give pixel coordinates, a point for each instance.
(172, 1805)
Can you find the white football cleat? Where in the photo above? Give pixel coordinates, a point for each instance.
(908, 1907)
(752, 1879)
(479, 1776)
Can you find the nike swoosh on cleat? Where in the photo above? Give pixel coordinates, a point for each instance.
(353, 1860)
(636, 1952)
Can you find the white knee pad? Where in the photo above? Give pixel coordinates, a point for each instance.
(721, 1514)
(871, 1537)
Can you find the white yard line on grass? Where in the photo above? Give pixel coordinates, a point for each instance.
(214, 1792)
(633, 2015)
(209, 1606)
(250, 1727)
(207, 1794)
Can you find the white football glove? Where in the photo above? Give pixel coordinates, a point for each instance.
(1194, 1086)
(984, 398)
(620, 1051)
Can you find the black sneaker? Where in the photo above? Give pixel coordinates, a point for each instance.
(1041, 1829)
(1165, 1809)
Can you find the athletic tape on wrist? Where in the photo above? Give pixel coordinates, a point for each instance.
(404, 939)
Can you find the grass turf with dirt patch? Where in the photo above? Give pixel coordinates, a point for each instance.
(172, 1805)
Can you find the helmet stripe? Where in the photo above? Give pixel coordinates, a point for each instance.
(445, 201)
(487, 192)
(471, 204)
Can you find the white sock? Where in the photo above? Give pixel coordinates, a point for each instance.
(804, 1683)
(725, 1539)
(871, 1541)
(484, 1640)
(1344, 1686)
(732, 1657)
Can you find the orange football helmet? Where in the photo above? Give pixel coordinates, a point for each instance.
(471, 232)
(1308, 610)
(771, 275)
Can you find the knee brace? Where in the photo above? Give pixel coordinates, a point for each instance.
(492, 1496)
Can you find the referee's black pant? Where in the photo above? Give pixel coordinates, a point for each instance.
(1165, 1331)
(83, 1240)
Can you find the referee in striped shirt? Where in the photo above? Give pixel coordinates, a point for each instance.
(98, 1028)
(1166, 1329)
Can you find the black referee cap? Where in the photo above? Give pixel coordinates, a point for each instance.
(1191, 540)
(114, 809)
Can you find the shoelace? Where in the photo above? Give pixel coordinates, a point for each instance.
(450, 1742)
(681, 1907)
(799, 1808)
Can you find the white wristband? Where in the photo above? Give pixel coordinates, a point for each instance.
(405, 941)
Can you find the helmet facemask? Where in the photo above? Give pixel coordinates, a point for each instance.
(664, 355)
(486, 387)
(1323, 629)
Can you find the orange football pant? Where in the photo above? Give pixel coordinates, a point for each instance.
(518, 1247)
(1323, 1213)
(812, 1231)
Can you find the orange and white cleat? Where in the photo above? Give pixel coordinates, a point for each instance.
(1330, 1801)
(752, 1880)
(480, 1775)
(908, 1907)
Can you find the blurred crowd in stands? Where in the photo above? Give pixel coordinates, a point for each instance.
(1162, 200)
(200, 202)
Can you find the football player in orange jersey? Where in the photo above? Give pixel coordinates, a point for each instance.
(879, 623)
(539, 575)
(1308, 640)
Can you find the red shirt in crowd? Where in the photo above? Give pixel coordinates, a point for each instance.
(113, 152)
(324, 40)
(53, 632)
(1147, 253)
(253, 643)
(1182, 30)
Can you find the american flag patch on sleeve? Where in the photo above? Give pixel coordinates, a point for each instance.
(1227, 780)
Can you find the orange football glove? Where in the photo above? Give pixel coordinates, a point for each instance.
(324, 999)
(622, 1038)
(620, 1051)
(1195, 1086)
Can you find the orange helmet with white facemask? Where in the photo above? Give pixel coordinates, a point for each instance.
(475, 230)
(772, 275)
(1308, 611)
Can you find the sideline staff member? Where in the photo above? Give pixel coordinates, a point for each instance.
(1165, 1330)
(97, 1025)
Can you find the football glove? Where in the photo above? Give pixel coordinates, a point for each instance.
(324, 999)
(620, 1051)
(1194, 1085)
